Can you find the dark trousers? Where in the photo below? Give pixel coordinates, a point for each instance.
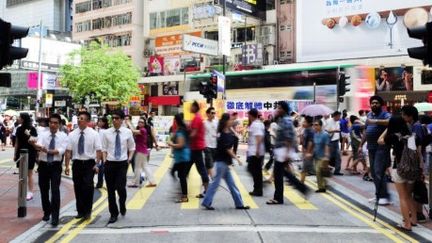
(269, 163)
(100, 174)
(379, 161)
(50, 178)
(115, 178)
(82, 176)
(279, 171)
(197, 158)
(255, 168)
(236, 143)
(335, 155)
(183, 169)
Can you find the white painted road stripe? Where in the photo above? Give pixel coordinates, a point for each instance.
(181, 229)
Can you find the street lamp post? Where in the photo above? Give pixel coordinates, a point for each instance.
(28, 102)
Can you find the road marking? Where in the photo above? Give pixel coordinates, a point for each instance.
(297, 200)
(71, 223)
(194, 188)
(233, 228)
(142, 195)
(381, 226)
(247, 199)
(84, 224)
(5, 161)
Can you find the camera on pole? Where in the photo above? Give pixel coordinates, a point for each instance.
(423, 53)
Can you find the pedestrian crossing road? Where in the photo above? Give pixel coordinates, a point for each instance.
(153, 216)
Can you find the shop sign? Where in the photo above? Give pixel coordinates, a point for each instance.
(171, 44)
(60, 103)
(200, 45)
(252, 54)
(156, 65)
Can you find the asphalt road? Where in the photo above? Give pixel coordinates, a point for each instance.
(153, 216)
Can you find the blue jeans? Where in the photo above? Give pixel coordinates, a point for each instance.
(222, 171)
(379, 161)
(335, 155)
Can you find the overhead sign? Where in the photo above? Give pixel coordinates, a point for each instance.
(252, 54)
(220, 81)
(224, 28)
(246, 6)
(200, 45)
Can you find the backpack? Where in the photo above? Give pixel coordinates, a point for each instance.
(409, 165)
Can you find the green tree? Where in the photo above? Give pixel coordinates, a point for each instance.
(110, 75)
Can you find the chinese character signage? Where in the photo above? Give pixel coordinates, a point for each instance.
(265, 107)
(252, 54)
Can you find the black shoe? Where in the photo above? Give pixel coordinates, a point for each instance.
(46, 217)
(87, 216)
(99, 185)
(243, 207)
(54, 222)
(112, 219)
(123, 211)
(79, 216)
(421, 218)
(208, 207)
(320, 190)
(338, 174)
(256, 194)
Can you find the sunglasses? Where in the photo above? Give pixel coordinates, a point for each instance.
(316, 124)
(213, 113)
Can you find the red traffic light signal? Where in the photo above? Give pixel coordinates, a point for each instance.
(8, 34)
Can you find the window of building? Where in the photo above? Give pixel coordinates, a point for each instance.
(162, 20)
(153, 20)
(173, 18)
(83, 7)
(122, 19)
(185, 15)
(83, 26)
(213, 35)
(118, 2)
(117, 40)
(244, 34)
(16, 2)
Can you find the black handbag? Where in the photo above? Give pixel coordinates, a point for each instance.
(420, 192)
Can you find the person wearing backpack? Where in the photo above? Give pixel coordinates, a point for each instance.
(396, 136)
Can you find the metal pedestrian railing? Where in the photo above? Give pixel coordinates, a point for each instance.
(22, 183)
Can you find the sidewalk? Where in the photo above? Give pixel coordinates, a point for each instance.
(355, 188)
(11, 226)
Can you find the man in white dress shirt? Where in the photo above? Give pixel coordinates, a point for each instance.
(118, 147)
(84, 149)
(210, 137)
(52, 145)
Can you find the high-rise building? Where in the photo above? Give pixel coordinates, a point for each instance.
(117, 23)
(56, 15)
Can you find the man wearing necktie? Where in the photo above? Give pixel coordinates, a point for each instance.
(118, 147)
(52, 145)
(84, 149)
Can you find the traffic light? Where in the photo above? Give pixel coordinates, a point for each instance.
(423, 53)
(8, 34)
(342, 84)
(203, 88)
(212, 89)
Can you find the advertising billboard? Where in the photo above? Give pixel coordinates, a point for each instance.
(340, 29)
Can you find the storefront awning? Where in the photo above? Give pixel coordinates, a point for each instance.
(164, 100)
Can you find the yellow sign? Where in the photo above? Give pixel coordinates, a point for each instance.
(49, 99)
(217, 104)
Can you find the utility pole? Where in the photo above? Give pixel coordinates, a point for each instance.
(39, 80)
(223, 56)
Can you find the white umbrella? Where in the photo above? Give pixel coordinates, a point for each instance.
(423, 106)
(316, 110)
(11, 113)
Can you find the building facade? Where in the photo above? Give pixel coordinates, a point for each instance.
(117, 23)
(56, 15)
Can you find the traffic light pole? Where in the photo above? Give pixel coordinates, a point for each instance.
(39, 80)
(224, 58)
